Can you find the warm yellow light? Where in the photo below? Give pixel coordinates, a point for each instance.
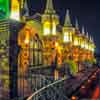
(54, 28)
(76, 41)
(86, 46)
(66, 37)
(15, 16)
(56, 44)
(74, 98)
(90, 47)
(46, 28)
(70, 36)
(82, 44)
(15, 10)
(46, 31)
(26, 41)
(27, 37)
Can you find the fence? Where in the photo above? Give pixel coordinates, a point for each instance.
(53, 91)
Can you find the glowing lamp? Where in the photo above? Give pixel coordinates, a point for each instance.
(86, 45)
(89, 81)
(83, 87)
(76, 41)
(56, 44)
(73, 98)
(27, 38)
(26, 41)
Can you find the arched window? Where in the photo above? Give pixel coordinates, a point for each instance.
(35, 51)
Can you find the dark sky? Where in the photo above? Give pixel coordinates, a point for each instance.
(87, 12)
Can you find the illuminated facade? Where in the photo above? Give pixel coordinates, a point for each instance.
(69, 44)
(50, 20)
(4, 54)
(15, 7)
(68, 32)
(8, 49)
(39, 40)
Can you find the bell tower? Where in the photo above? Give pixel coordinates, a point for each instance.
(49, 19)
(67, 28)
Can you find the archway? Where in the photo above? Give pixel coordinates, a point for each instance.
(30, 56)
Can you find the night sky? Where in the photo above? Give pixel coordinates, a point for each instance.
(87, 12)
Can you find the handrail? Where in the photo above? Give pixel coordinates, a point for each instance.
(45, 87)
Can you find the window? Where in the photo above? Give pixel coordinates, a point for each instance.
(35, 52)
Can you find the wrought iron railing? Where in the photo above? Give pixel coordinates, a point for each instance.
(61, 89)
(34, 82)
(53, 91)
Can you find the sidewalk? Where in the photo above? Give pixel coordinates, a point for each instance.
(96, 92)
(72, 85)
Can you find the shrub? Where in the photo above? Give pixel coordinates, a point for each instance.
(73, 67)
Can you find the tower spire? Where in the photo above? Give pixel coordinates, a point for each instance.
(87, 35)
(67, 20)
(90, 39)
(49, 7)
(76, 24)
(83, 30)
(26, 9)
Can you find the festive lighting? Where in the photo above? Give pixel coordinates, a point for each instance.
(54, 28)
(82, 44)
(74, 98)
(66, 37)
(56, 44)
(89, 81)
(83, 87)
(26, 41)
(86, 45)
(46, 28)
(15, 10)
(76, 41)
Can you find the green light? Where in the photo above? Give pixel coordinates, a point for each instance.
(4, 9)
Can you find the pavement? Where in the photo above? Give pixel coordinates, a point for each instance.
(72, 85)
(96, 93)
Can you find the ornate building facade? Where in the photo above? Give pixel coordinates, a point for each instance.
(39, 41)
